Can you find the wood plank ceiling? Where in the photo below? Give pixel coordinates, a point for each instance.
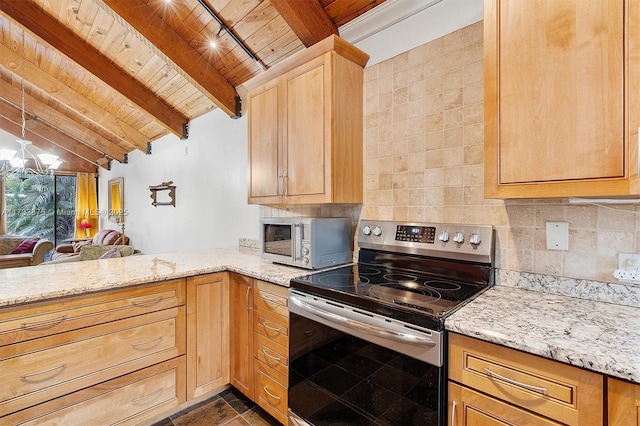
(102, 78)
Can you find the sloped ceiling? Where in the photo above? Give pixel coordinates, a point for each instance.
(102, 78)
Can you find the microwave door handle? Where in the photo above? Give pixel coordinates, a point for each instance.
(297, 242)
(366, 328)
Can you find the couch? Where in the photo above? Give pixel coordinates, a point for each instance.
(95, 252)
(18, 250)
(105, 237)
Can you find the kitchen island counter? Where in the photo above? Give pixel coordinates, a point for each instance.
(36, 283)
(598, 336)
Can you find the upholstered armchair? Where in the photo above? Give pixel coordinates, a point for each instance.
(105, 237)
(18, 251)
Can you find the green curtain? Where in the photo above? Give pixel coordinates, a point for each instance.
(86, 204)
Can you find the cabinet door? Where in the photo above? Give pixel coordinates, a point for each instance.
(307, 149)
(624, 403)
(207, 333)
(265, 176)
(470, 408)
(554, 96)
(241, 331)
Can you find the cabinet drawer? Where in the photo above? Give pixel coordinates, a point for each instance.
(271, 353)
(139, 396)
(474, 408)
(550, 388)
(22, 323)
(270, 393)
(271, 326)
(271, 298)
(46, 368)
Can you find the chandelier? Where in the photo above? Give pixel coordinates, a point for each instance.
(22, 162)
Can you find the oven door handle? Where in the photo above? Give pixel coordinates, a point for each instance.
(367, 328)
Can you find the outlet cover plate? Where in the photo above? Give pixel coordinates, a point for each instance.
(558, 235)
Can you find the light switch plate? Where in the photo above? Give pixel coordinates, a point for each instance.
(558, 235)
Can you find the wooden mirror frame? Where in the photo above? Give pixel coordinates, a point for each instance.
(115, 192)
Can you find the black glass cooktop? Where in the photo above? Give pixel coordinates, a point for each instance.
(410, 296)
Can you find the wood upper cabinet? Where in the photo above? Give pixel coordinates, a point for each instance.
(207, 333)
(305, 127)
(624, 403)
(241, 333)
(562, 104)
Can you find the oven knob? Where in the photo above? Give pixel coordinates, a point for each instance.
(366, 230)
(305, 260)
(444, 236)
(475, 239)
(377, 231)
(305, 250)
(458, 238)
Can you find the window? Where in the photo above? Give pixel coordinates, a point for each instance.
(41, 205)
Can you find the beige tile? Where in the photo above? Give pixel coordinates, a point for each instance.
(521, 215)
(453, 156)
(434, 49)
(610, 243)
(548, 262)
(416, 196)
(452, 99)
(385, 101)
(453, 196)
(473, 154)
(371, 120)
(473, 214)
(434, 68)
(452, 176)
(435, 141)
(415, 74)
(434, 177)
(473, 93)
(582, 216)
(371, 198)
(400, 163)
(521, 238)
(452, 61)
(416, 142)
(401, 96)
(385, 181)
(605, 267)
(399, 145)
(400, 213)
(416, 178)
(520, 260)
(385, 133)
(452, 214)
(453, 137)
(452, 80)
(434, 104)
(495, 215)
(474, 195)
(433, 122)
(472, 53)
(473, 134)
(385, 197)
(399, 180)
(452, 42)
(472, 73)
(417, 213)
(434, 85)
(434, 195)
(417, 90)
(473, 114)
(385, 69)
(452, 118)
(549, 213)
(435, 213)
(473, 34)
(371, 182)
(417, 56)
(400, 197)
(582, 242)
(416, 163)
(473, 174)
(400, 62)
(621, 218)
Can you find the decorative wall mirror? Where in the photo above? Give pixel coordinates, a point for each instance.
(116, 200)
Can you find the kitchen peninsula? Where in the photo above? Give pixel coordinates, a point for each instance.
(597, 336)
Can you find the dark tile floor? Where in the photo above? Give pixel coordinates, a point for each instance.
(230, 408)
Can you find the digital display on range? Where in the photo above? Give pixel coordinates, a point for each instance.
(416, 234)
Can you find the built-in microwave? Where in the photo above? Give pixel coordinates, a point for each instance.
(311, 243)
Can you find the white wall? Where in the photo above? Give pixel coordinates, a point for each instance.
(211, 189)
(211, 208)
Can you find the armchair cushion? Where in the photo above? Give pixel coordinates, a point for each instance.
(26, 246)
(93, 252)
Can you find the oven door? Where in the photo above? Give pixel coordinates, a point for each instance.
(345, 369)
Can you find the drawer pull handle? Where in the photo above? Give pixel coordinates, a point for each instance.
(142, 399)
(453, 413)
(270, 300)
(264, 388)
(310, 332)
(147, 343)
(275, 358)
(247, 299)
(28, 377)
(147, 302)
(275, 330)
(514, 382)
(44, 323)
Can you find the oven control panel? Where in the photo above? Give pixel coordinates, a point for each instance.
(447, 240)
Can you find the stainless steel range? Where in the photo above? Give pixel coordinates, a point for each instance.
(367, 341)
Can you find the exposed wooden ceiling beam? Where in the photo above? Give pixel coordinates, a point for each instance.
(307, 19)
(68, 43)
(11, 60)
(70, 162)
(93, 146)
(160, 34)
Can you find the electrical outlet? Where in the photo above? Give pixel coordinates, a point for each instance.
(628, 267)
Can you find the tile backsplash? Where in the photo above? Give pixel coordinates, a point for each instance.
(423, 161)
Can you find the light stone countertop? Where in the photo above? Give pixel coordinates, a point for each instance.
(595, 335)
(34, 283)
(598, 336)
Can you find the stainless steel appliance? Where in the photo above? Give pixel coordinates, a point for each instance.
(311, 243)
(367, 341)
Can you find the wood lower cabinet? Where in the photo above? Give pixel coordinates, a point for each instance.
(207, 333)
(138, 396)
(305, 127)
(271, 348)
(506, 386)
(561, 100)
(624, 403)
(53, 351)
(241, 333)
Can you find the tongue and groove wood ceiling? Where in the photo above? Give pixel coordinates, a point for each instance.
(103, 78)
